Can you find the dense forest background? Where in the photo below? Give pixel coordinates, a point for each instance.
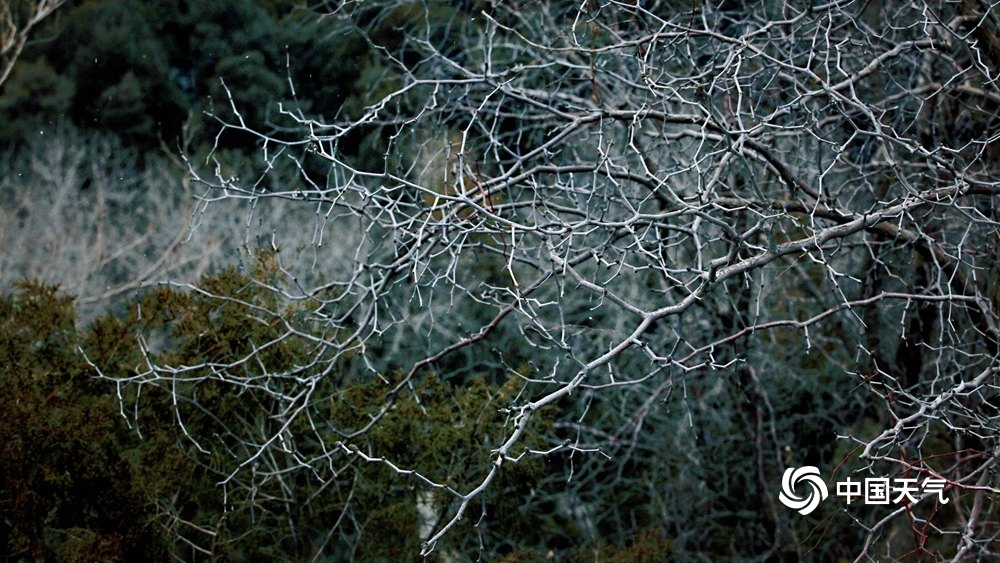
(525, 281)
(105, 99)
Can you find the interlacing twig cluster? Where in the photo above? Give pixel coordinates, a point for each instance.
(656, 219)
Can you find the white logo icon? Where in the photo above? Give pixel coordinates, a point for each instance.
(810, 476)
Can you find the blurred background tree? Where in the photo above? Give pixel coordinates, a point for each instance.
(69, 489)
(18, 19)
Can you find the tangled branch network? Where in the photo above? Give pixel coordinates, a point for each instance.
(661, 221)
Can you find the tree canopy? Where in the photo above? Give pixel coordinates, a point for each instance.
(574, 278)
